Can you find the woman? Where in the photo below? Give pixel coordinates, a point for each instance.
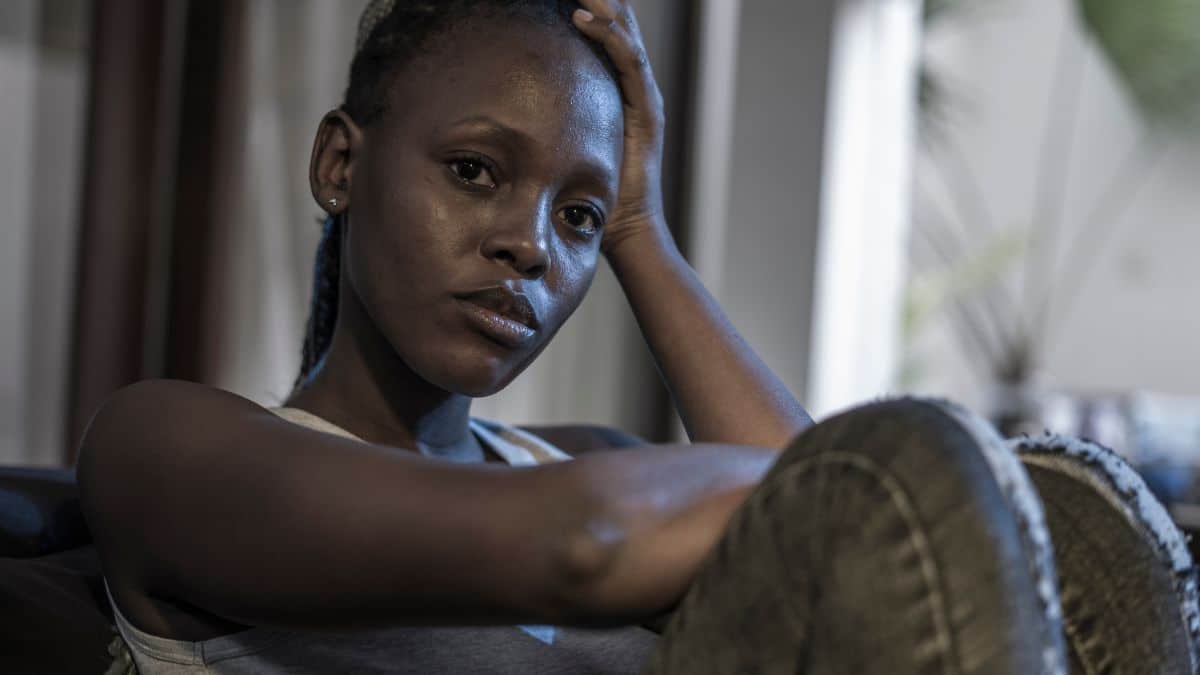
(486, 155)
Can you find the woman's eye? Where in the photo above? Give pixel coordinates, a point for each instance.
(473, 172)
(581, 218)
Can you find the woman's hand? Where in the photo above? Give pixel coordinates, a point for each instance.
(639, 209)
(723, 392)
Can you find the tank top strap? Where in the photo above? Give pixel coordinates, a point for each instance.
(516, 446)
(307, 419)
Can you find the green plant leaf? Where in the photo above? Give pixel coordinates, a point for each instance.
(1154, 47)
(961, 280)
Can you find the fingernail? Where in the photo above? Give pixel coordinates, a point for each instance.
(584, 15)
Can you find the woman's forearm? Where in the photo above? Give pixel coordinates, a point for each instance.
(652, 517)
(724, 393)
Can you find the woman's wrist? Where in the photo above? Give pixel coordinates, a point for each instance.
(648, 239)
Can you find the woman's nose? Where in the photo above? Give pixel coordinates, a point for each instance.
(522, 242)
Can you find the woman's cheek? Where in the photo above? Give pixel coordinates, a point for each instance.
(585, 256)
(575, 274)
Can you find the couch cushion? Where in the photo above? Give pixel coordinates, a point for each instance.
(54, 616)
(39, 512)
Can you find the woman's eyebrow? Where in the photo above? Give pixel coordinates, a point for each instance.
(501, 132)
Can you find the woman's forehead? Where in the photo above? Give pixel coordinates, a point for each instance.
(553, 89)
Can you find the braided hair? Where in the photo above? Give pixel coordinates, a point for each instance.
(391, 33)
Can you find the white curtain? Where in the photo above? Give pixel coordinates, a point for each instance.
(865, 208)
(43, 73)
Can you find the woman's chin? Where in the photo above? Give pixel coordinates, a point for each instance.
(475, 377)
(475, 367)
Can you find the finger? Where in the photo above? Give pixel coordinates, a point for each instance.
(618, 11)
(627, 54)
(605, 9)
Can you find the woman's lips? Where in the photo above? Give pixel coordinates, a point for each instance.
(507, 331)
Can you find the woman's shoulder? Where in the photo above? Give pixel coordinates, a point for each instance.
(162, 409)
(150, 418)
(578, 439)
(173, 391)
(146, 401)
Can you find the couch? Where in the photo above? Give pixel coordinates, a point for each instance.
(54, 616)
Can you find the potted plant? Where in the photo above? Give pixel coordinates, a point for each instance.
(1000, 288)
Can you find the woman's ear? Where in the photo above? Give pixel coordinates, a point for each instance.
(331, 169)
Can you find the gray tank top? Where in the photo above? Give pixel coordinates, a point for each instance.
(528, 650)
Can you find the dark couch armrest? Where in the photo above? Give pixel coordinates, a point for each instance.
(39, 512)
(54, 615)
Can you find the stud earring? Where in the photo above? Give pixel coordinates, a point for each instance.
(333, 202)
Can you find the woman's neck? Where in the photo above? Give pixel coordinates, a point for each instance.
(363, 386)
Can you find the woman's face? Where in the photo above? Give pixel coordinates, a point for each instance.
(478, 199)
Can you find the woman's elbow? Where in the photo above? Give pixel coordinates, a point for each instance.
(584, 556)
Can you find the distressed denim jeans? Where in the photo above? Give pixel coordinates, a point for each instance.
(906, 537)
